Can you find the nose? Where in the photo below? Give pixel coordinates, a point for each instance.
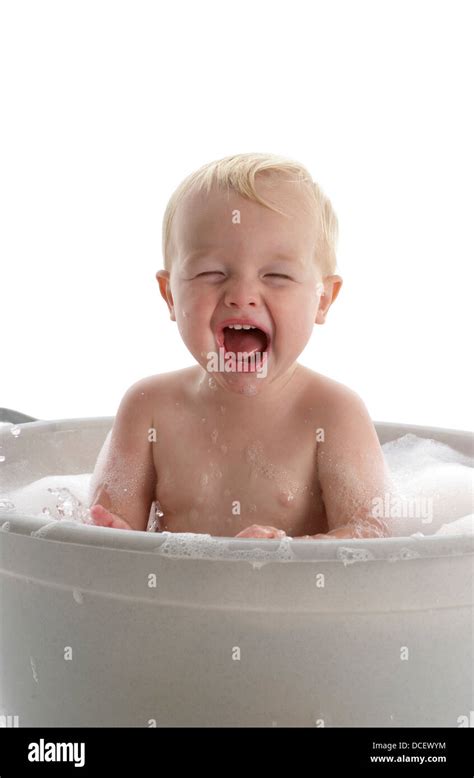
(240, 293)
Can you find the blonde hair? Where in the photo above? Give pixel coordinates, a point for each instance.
(238, 173)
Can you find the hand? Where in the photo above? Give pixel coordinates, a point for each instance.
(104, 518)
(260, 531)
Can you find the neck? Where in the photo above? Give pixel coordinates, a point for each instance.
(251, 394)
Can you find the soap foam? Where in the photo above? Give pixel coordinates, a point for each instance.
(421, 468)
(350, 556)
(200, 546)
(425, 470)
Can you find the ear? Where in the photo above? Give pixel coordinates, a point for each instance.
(163, 278)
(332, 286)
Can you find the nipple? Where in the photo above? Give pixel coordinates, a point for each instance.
(286, 498)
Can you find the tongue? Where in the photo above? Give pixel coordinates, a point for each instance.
(244, 340)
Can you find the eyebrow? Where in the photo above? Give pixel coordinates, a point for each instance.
(279, 257)
(197, 252)
(193, 256)
(205, 253)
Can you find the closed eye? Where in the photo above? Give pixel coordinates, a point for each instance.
(220, 273)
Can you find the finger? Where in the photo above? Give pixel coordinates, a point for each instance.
(259, 531)
(277, 533)
(272, 532)
(254, 531)
(100, 515)
(104, 518)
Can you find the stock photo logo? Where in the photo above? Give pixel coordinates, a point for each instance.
(241, 362)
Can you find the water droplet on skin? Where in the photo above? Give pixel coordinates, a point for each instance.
(222, 409)
(252, 508)
(204, 480)
(212, 383)
(214, 435)
(15, 431)
(203, 419)
(2, 458)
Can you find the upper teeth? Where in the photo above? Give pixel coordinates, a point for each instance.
(241, 327)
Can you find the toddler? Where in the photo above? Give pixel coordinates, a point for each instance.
(247, 442)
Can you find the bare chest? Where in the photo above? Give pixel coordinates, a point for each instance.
(218, 475)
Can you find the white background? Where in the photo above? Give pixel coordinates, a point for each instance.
(107, 106)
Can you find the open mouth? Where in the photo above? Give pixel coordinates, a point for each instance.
(244, 343)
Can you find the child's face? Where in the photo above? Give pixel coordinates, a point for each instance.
(235, 259)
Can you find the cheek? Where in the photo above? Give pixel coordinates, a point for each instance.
(297, 324)
(189, 306)
(193, 311)
(301, 315)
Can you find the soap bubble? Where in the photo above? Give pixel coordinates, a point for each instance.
(425, 470)
(351, 555)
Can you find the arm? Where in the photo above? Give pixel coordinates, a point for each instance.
(353, 474)
(123, 483)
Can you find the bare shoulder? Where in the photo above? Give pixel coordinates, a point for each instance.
(160, 387)
(153, 399)
(340, 412)
(330, 397)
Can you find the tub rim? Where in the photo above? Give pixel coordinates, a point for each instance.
(412, 547)
(65, 532)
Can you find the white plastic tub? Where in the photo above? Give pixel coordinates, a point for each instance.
(224, 640)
